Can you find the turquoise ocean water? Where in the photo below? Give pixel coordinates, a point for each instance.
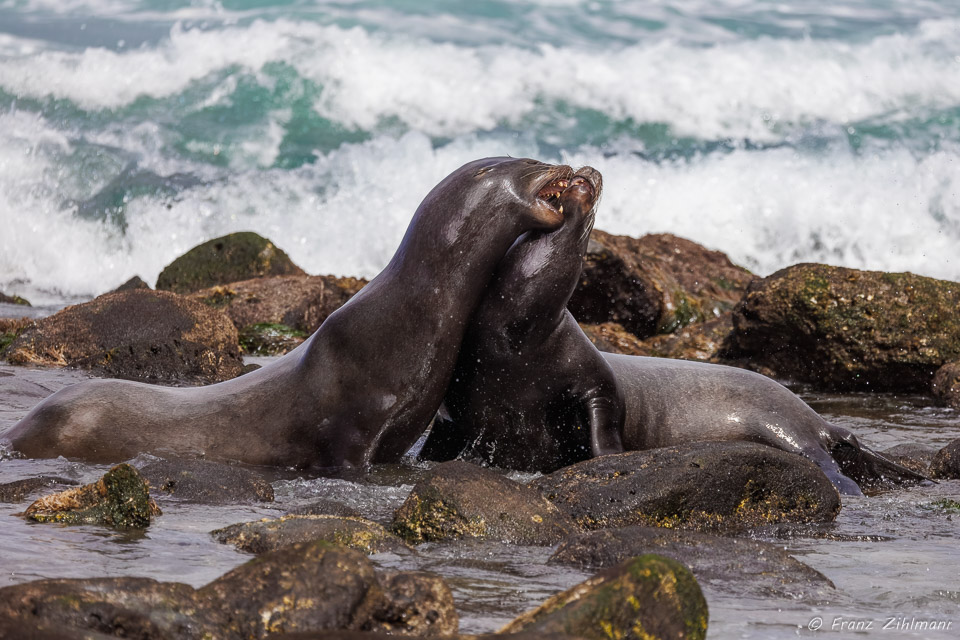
(779, 132)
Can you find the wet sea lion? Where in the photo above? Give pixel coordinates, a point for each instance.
(364, 386)
(524, 347)
(528, 392)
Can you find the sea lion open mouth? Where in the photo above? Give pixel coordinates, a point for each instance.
(551, 193)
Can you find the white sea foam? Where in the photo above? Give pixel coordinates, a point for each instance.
(748, 89)
(347, 213)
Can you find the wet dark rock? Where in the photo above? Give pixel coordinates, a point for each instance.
(703, 486)
(136, 282)
(735, 565)
(20, 630)
(645, 597)
(5, 299)
(373, 635)
(230, 258)
(946, 464)
(10, 328)
(300, 302)
(324, 507)
(844, 329)
(946, 385)
(916, 457)
(17, 490)
(153, 336)
(133, 607)
(119, 499)
(270, 534)
(266, 339)
(206, 482)
(461, 500)
(307, 587)
(315, 586)
(654, 284)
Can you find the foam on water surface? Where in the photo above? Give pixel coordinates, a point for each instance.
(776, 133)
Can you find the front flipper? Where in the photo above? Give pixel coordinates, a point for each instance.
(605, 414)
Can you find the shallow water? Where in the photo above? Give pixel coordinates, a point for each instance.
(909, 572)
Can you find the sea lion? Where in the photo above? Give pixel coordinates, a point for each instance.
(528, 392)
(364, 386)
(524, 354)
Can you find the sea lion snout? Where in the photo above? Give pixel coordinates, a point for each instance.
(583, 189)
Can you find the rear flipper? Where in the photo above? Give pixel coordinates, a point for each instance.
(844, 484)
(872, 470)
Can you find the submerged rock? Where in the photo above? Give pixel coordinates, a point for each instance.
(842, 329)
(17, 490)
(946, 464)
(299, 302)
(230, 258)
(654, 284)
(705, 486)
(916, 457)
(154, 336)
(461, 500)
(207, 482)
(271, 534)
(309, 587)
(324, 507)
(734, 565)
(645, 597)
(946, 385)
(5, 299)
(119, 499)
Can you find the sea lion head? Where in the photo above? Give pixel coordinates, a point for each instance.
(524, 189)
(578, 201)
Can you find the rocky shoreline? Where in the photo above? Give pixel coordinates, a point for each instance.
(828, 327)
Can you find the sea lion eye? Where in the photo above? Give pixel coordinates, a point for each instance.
(482, 171)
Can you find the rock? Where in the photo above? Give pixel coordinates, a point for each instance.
(946, 464)
(206, 482)
(734, 565)
(5, 299)
(271, 534)
(300, 302)
(314, 586)
(309, 587)
(946, 385)
(613, 338)
(124, 607)
(655, 284)
(267, 339)
(119, 499)
(17, 490)
(17, 630)
(461, 500)
(325, 507)
(10, 328)
(916, 457)
(373, 635)
(154, 336)
(703, 341)
(645, 597)
(705, 486)
(844, 329)
(230, 258)
(136, 282)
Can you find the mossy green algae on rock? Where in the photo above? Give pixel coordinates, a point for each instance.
(119, 499)
(230, 258)
(840, 328)
(645, 598)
